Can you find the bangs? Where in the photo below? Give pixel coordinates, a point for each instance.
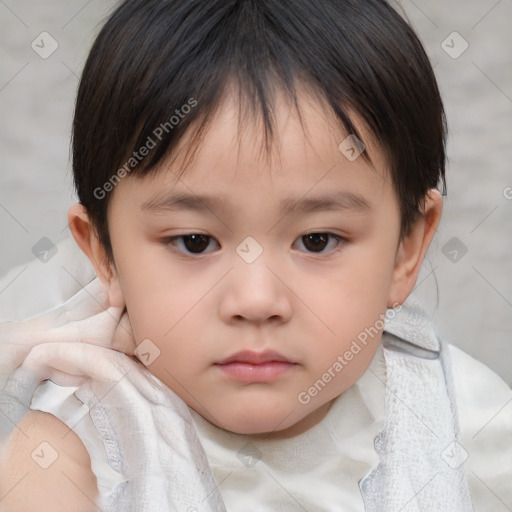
(160, 70)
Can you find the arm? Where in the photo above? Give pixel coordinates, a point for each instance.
(67, 485)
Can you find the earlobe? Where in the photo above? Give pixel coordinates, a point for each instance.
(87, 239)
(413, 248)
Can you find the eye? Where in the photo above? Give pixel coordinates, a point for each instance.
(194, 243)
(316, 242)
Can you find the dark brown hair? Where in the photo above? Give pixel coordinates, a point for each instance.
(153, 58)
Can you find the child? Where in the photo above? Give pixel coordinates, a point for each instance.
(301, 143)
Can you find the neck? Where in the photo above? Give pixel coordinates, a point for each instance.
(300, 427)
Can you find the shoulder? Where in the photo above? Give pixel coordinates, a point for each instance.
(482, 395)
(46, 467)
(484, 404)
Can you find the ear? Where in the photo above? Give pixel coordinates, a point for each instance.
(412, 249)
(87, 239)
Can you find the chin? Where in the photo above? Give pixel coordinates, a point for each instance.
(251, 426)
(257, 421)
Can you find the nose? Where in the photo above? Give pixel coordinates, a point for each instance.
(257, 293)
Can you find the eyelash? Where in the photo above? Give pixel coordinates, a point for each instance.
(172, 241)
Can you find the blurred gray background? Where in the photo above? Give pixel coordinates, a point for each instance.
(469, 265)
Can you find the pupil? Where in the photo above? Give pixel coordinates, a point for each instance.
(315, 238)
(194, 245)
(313, 241)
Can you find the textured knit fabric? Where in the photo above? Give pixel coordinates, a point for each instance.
(391, 442)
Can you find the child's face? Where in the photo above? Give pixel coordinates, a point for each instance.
(202, 300)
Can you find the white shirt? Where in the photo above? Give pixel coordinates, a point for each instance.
(320, 469)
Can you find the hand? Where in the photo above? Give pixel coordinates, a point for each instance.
(147, 430)
(85, 317)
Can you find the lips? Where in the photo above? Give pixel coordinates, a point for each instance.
(253, 367)
(249, 356)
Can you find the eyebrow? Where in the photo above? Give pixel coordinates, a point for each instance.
(336, 201)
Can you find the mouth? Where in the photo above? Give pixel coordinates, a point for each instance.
(249, 366)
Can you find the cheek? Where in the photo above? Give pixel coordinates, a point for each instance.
(149, 285)
(351, 305)
(357, 292)
(165, 313)
(164, 326)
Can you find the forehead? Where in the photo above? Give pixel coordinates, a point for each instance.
(308, 158)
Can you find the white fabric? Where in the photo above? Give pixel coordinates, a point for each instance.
(347, 433)
(321, 470)
(419, 445)
(315, 471)
(34, 286)
(147, 431)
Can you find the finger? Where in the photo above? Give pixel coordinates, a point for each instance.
(60, 362)
(97, 330)
(17, 339)
(85, 318)
(109, 328)
(68, 364)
